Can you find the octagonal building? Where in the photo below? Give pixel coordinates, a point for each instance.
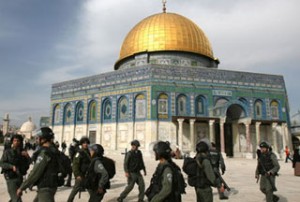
(167, 86)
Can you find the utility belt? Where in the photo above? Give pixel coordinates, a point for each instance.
(8, 175)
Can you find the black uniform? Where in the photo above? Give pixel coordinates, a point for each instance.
(13, 157)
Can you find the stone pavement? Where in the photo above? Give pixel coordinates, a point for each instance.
(239, 176)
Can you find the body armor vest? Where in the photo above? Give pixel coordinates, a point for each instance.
(265, 163)
(214, 158)
(49, 178)
(135, 161)
(84, 161)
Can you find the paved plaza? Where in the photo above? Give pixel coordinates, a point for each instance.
(239, 176)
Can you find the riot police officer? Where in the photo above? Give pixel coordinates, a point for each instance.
(14, 162)
(267, 167)
(160, 189)
(133, 164)
(45, 171)
(80, 164)
(98, 173)
(217, 163)
(205, 171)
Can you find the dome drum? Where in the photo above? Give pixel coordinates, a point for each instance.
(167, 58)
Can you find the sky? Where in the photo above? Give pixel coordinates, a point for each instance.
(43, 42)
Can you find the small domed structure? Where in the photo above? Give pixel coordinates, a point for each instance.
(27, 128)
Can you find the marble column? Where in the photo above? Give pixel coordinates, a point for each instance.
(192, 134)
(257, 132)
(180, 133)
(222, 138)
(248, 140)
(274, 137)
(212, 131)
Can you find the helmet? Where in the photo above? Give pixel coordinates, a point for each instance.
(97, 148)
(264, 144)
(202, 147)
(162, 150)
(84, 139)
(136, 143)
(45, 133)
(17, 136)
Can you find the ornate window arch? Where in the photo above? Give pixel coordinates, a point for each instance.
(200, 105)
(274, 107)
(163, 106)
(79, 112)
(56, 114)
(123, 108)
(181, 105)
(140, 106)
(68, 114)
(258, 109)
(107, 110)
(92, 112)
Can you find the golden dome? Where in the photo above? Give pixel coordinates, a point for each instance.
(166, 32)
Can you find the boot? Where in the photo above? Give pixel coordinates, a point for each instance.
(275, 198)
(222, 196)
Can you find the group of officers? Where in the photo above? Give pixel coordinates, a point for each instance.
(15, 163)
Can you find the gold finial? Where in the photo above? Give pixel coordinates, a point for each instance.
(164, 5)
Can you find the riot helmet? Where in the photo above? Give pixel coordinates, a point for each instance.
(98, 149)
(162, 150)
(202, 147)
(45, 133)
(84, 139)
(264, 144)
(135, 143)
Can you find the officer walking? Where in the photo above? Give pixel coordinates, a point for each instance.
(217, 163)
(267, 167)
(133, 164)
(160, 189)
(14, 162)
(98, 173)
(81, 162)
(45, 171)
(205, 171)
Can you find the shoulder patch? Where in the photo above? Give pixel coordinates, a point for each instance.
(169, 177)
(100, 166)
(39, 159)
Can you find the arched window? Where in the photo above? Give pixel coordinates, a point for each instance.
(200, 105)
(140, 107)
(107, 110)
(92, 111)
(258, 109)
(56, 114)
(181, 105)
(163, 106)
(274, 109)
(68, 114)
(123, 108)
(79, 112)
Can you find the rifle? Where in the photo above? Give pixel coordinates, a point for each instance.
(265, 171)
(222, 180)
(124, 153)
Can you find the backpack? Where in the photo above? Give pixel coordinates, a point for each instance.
(91, 178)
(64, 167)
(196, 176)
(110, 166)
(179, 184)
